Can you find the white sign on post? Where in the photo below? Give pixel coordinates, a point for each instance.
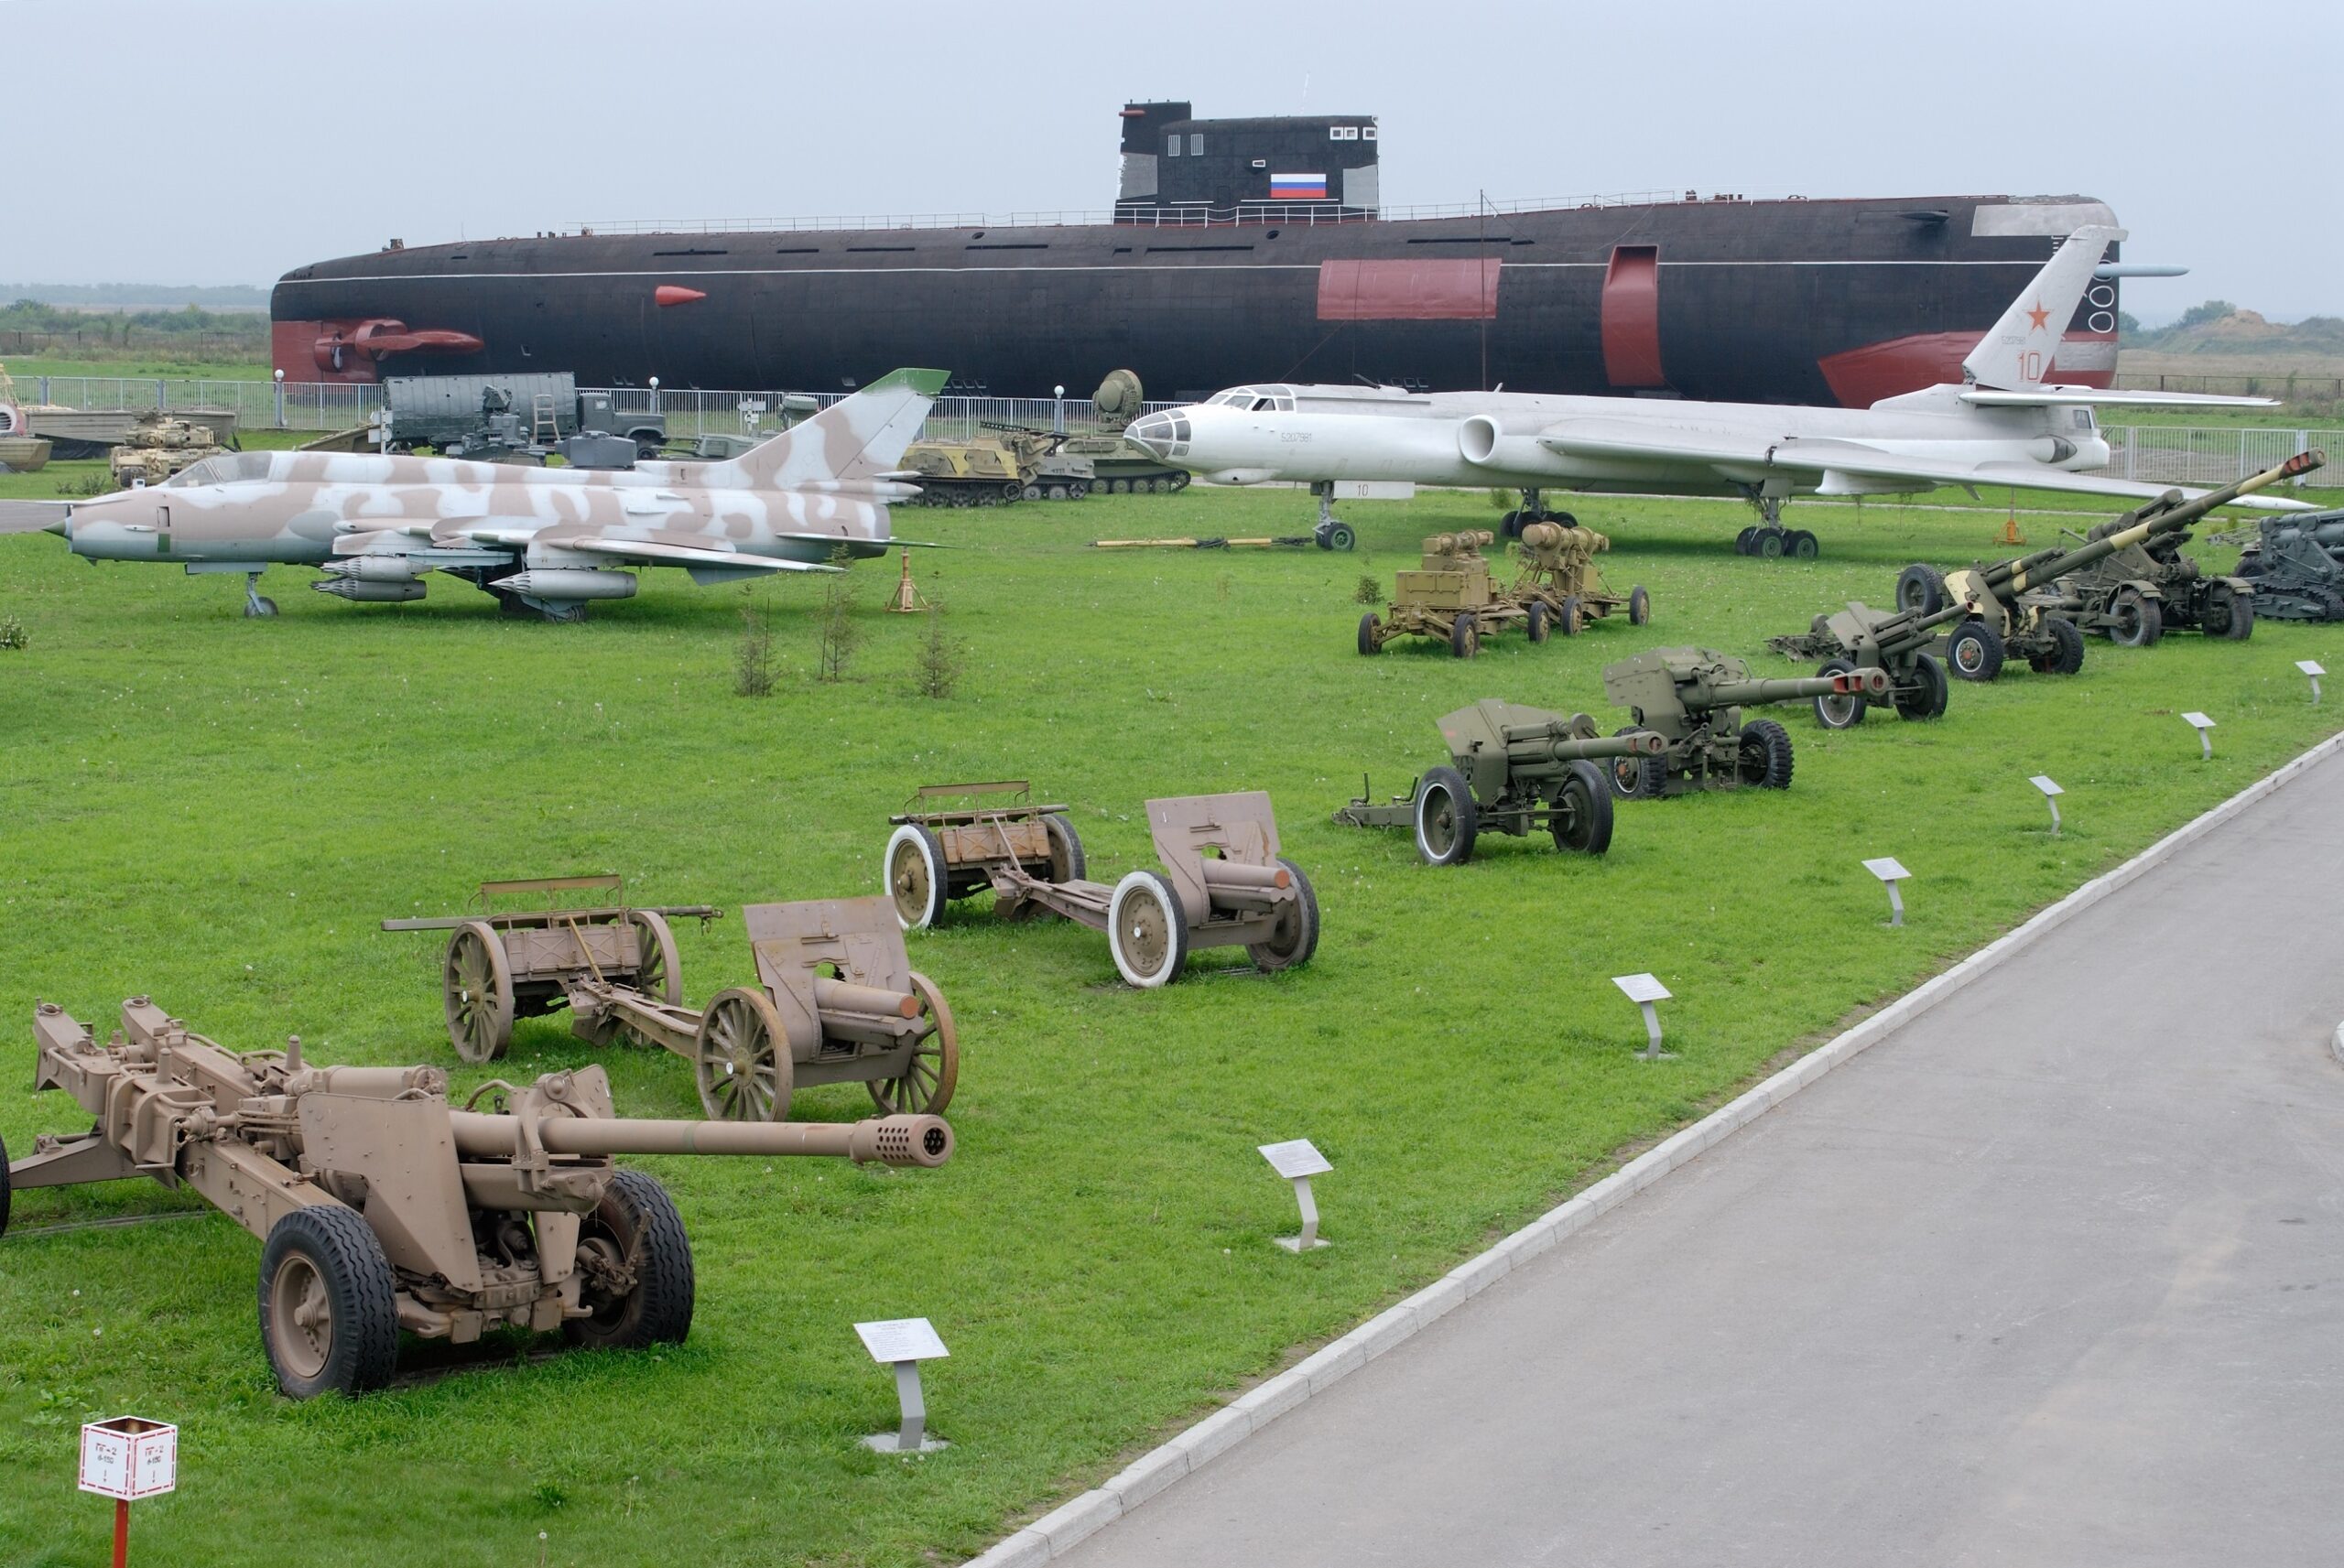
(128, 1458)
(2051, 793)
(1298, 1160)
(2204, 725)
(1890, 870)
(903, 1343)
(1645, 990)
(2312, 667)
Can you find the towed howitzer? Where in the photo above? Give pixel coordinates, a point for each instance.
(2296, 566)
(383, 1207)
(1895, 642)
(1693, 698)
(1514, 769)
(2016, 607)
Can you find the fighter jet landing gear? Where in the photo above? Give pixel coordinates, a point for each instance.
(1770, 541)
(257, 605)
(1332, 533)
(1534, 510)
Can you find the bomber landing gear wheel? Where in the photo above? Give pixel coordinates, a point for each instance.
(1335, 536)
(259, 607)
(1839, 712)
(1766, 759)
(934, 1070)
(1635, 778)
(1924, 695)
(1370, 633)
(1800, 545)
(1639, 606)
(1768, 545)
(1147, 932)
(1446, 819)
(1465, 636)
(1580, 815)
(1920, 587)
(1068, 862)
(657, 971)
(1295, 935)
(1975, 651)
(2137, 619)
(916, 879)
(740, 1062)
(636, 1267)
(1510, 525)
(1743, 540)
(328, 1308)
(477, 987)
(1534, 620)
(2067, 654)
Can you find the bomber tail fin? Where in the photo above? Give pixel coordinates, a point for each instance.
(859, 438)
(2015, 355)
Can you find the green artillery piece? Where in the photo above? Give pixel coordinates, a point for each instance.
(1558, 570)
(2296, 565)
(1450, 598)
(2141, 591)
(385, 1209)
(2016, 607)
(1693, 698)
(1895, 642)
(1517, 769)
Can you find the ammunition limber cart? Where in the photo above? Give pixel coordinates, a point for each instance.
(1224, 882)
(503, 965)
(1555, 567)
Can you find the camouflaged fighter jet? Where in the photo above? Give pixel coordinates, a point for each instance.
(542, 540)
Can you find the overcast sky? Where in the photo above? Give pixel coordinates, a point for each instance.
(335, 126)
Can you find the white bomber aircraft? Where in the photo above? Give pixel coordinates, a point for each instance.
(2003, 425)
(547, 541)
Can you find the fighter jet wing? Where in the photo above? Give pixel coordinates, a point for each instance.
(1619, 439)
(702, 552)
(430, 555)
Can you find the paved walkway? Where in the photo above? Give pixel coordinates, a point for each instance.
(2053, 1275)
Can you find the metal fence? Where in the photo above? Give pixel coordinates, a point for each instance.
(2210, 456)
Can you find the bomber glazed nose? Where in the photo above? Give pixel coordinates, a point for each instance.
(1154, 433)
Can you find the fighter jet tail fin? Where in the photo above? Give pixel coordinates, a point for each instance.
(2015, 355)
(858, 438)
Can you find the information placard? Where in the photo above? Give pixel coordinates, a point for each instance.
(1641, 988)
(901, 1340)
(1297, 1157)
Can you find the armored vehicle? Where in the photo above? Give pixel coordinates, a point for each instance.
(1058, 474)
(1450, 599)
(2296, 565)
(1121, 467)
(2016, 607)
(1693, 698)
(157, 446)
(1555, 567)
(383, 1208)
(967, 474)
(1514, 770)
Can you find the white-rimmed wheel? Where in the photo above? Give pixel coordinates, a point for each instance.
(916, 879)
(741, 1061)
(1146, 931)
(934, 1070)
(1838, 710)
(477, 986)
(1295, 936)
(1446, 819)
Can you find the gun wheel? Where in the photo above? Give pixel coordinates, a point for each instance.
(1534, 620)
(2065, 655)
(1580, 817)
(741, 1061)
(934, 1069)
(2228, 613)
(1835, 712)
(1766, 757)
(657, 970)
(1370, 633)
(1147, 932)
(1636, 778)
(1639, 606)
(2136, 619)
(1924, 695)
(1446, 819)
(916, 878)
(636, 1264)
(1975, 651)
(1295, 935)
(328, 1308)
(477, 987)
(1068, 862)
(4, 1188)
(1920, 587)
(1465, 635)
(1571, 621)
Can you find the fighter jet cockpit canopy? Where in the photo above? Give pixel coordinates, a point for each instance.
(226, 468)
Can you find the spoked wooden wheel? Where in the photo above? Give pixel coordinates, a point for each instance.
(742, 1060)
(934, 1070)
(477, 985)
(657, 971)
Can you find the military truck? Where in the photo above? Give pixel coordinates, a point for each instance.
(1121, 467)
(485, 416)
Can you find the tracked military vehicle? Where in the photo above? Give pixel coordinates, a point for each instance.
(1121, 467)
(157, 447)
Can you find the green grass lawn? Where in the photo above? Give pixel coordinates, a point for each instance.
(27, 369)
(218, 811)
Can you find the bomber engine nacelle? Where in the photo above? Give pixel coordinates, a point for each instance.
(1481, 442)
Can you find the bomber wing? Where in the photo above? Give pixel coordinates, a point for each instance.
(1619, 439)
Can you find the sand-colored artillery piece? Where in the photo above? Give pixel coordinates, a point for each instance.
(1224, 882)
(1450, 598)
(1555, 567)
(386, 1209)
(507, 964)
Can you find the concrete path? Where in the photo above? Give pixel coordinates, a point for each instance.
(2053, 1275)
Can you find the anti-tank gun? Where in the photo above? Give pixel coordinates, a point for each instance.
(2296, 563)
(1514, 770)
(1894, 641)
(2017, 607)
(1693, 698)
(384, 1207)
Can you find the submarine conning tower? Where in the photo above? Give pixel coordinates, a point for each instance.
(1179, 169)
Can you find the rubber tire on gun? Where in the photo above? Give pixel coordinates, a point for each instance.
(1534, 620)
(1465, 635)
(334, 1252)
(1068, 861)
(1371, 634)
(1581, 816)
(1636, 778)
(1639, 606)
(637, 1221)
(1975, 651)
(2139, 620)
(2067, 654)
(1921, 588)
(1766, 759)
(1839, 712)
(1925, 695)
(1295, 935)
(1447, 821)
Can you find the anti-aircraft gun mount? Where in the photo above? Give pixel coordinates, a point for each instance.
(1555, 567)
(837, 1001)
(1693, 698)
(2018, 608)
(1450, 599)
(1514, 770)
(1223, 883)
(383, 1208)
(2296, 562)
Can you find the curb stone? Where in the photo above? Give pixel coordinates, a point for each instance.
(1056, 1533)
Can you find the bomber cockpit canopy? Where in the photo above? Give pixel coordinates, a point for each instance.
(226, 468)
(1259, 399)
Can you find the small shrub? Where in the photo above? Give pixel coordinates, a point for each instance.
(937, 670)
(756, 666)
(840, 633)
(1369, 591)
(13, 634)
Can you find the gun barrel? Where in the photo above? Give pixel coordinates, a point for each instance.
(1846, 683)
(1234, 874)
(2168, 514)
(1536, 749)
(844, 996)
(924, 1140)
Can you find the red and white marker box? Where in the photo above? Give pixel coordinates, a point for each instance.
(128, 1458)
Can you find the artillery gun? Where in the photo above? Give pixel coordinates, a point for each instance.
(1223, 883)
(1555, 568)
(156, 446)
(2016, 607)
(1693, 698)
(2296, 563)
(384, 1207)
(1514, 770)
(1450, 599)
(1895, 642)
(1123, 467)
(2141, 591)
